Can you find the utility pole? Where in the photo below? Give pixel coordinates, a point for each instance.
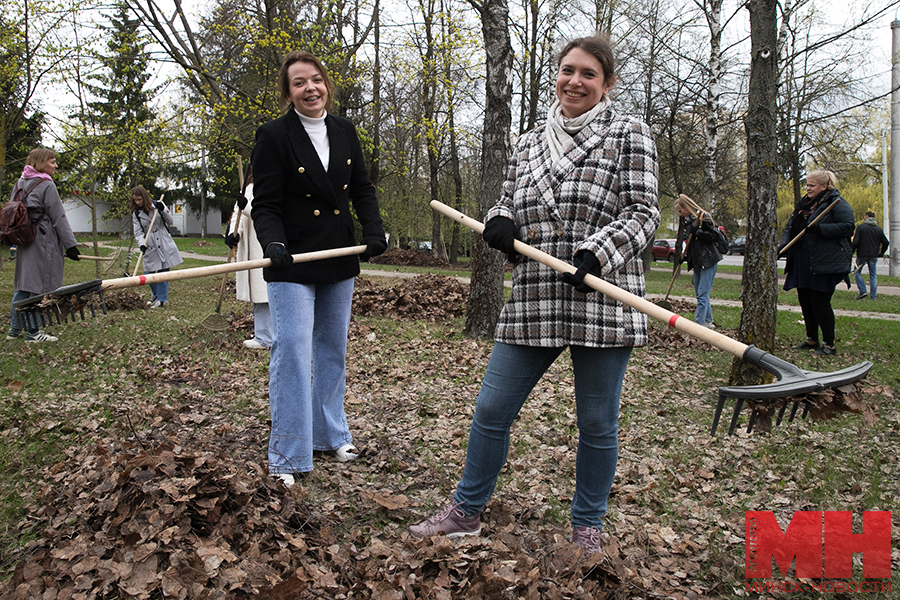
(893, 230)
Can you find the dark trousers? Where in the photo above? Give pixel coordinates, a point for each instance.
(817, 314)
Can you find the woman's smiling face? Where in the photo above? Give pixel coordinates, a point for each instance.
(309, 93)
(580, 83)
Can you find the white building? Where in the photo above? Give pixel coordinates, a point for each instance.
(186, 223)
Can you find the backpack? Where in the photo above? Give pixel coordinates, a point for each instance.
(16, 227)
(721, 242)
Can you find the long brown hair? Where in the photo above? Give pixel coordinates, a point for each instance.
(145, 199)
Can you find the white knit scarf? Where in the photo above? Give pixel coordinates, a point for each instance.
(561, 130)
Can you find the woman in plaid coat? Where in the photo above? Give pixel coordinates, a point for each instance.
(582, 188)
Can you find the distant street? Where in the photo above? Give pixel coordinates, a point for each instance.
(883, 268)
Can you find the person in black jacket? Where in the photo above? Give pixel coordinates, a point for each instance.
(820, 259)
(702, 254)
(308, 168)
(869, 242)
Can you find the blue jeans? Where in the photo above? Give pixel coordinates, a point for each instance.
(512, 373)
(872, 263)
(307, 375)
(703, 282)
(160, 291)
(262, 324)
(14, 328)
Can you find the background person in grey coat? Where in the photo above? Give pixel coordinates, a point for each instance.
(869, 242)
(158, 247)
(39, 265)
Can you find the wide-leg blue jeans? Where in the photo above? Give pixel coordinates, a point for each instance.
(512, 373)
(307, 374)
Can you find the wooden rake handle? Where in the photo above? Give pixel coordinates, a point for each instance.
(135, 281)
(802, 233)
(650, 309)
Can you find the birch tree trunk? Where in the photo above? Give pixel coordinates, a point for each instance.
(486, 292)
(713, 12)
(760, 278)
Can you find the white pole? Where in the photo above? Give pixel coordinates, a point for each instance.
(884, 183)
(893, 231)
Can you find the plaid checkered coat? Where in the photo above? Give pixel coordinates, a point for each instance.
(600, 197)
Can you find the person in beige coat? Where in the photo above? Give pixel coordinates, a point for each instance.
(251, 287)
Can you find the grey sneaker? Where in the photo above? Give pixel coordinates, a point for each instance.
(588, 538)
(450, 522)
(39, 338)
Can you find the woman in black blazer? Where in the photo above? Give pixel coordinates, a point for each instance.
(308, 168)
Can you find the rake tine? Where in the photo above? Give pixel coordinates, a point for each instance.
(781, 412)
(752, 419)
(739, 403)
(793, 412)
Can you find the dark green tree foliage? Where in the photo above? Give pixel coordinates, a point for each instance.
(125, 133)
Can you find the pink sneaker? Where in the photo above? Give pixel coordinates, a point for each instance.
(588, 538)
(450, 522)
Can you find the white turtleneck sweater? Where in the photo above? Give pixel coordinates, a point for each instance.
(318, 134)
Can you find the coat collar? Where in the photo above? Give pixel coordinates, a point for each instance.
(548, 178)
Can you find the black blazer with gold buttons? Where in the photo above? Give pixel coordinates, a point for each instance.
(297, 203)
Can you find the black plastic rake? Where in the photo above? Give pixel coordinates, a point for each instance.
(69, 301)
(790, 379)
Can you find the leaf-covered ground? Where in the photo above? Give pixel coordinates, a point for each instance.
(168, 497)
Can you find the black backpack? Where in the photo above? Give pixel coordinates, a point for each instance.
(16, 227)
(721, 241)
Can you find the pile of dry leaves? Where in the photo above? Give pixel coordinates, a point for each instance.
(428, 297)
(409, 258)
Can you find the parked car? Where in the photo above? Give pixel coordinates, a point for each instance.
(664, 250)
(738, 245)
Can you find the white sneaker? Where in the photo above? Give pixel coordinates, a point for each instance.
(344, 453)
(39, 338)
(252, 343)
(286, 478)
(158, 304)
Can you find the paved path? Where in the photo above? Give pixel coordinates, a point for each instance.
(894, 291)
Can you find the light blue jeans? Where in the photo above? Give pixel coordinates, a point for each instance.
(307, 374)
(512, 373)
(160, 291)
(872, 263)
(262, 324)
(703, 282)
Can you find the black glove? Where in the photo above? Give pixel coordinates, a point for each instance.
(814, 228)
(691, 229)
(72, 253)
(241, 200)
(586, 262)
(500, 233)
(281, 258)
(374, 246)
(232, 239)
(143, 249)
(159, 206)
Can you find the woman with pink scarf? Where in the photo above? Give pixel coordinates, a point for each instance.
(39, 265)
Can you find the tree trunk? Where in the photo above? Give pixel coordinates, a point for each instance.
(760, 278)
(714, 70)
(486, 293)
